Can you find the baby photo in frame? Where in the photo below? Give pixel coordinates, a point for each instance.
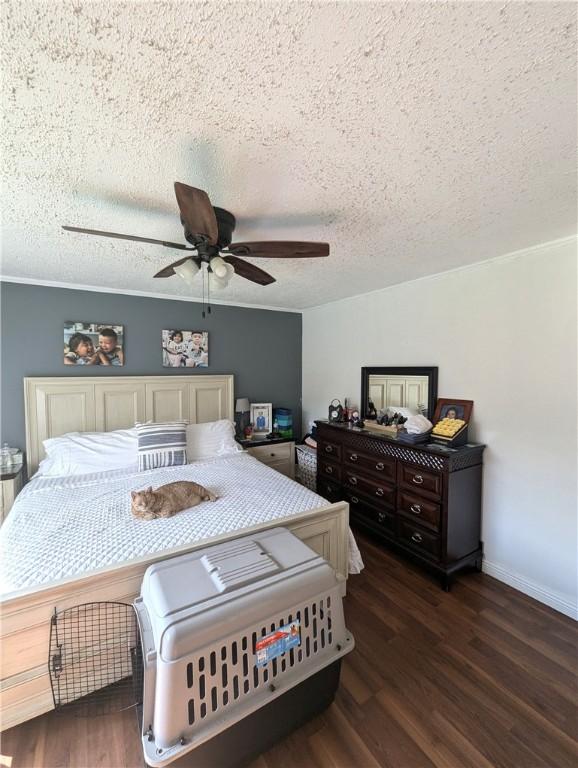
(93, 344)
(453, 409)
(185, 349)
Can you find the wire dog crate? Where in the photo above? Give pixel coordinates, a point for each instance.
(95, 659)
(226, 650)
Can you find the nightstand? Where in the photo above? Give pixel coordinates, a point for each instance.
(278, 454)
(10, 485)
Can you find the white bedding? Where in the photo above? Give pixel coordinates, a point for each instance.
(64, 526)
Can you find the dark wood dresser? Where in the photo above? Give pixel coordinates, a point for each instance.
(424, 501)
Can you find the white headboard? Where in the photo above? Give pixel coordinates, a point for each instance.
(56, 405)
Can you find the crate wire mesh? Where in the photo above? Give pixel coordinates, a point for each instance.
(95, 659)
(307, 466)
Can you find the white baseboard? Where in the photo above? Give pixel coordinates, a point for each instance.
(553, 599)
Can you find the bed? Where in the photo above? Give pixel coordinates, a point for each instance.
(80, 529)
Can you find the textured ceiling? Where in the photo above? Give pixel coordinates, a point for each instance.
(413, 137)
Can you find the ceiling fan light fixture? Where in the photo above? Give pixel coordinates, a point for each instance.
(219, 267)
(222, 282)
(187, 271)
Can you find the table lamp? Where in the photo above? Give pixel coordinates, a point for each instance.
(242, 407)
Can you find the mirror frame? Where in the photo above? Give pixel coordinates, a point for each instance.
(430, 371)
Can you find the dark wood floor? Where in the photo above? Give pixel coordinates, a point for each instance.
(482, 676)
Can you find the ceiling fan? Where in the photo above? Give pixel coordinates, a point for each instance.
(209, 231)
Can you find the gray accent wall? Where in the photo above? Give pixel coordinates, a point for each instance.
(262, 348)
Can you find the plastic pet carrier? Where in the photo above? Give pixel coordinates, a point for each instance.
(240, 643)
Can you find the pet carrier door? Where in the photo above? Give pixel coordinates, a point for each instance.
(95, 660)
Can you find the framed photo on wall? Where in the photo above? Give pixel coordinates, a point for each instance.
(262, 418)
(93, 343)
(185, 349)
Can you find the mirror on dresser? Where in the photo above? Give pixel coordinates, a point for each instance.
(413, 387)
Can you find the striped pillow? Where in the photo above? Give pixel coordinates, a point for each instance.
(161, 445)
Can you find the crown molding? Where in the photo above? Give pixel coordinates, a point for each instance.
(142, 294)
(510, 256)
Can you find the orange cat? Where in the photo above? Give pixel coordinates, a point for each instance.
(168, 499)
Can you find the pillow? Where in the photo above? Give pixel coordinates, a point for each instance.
(161, 445)
(80, 453)
(214, 438)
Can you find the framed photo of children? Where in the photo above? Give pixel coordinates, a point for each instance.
(185, 349)
(93, 343)
(262, 417)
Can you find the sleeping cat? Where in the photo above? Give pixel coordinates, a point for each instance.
(168, 499)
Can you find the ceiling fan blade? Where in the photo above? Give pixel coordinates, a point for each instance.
(197, 213)
(128, 237)
(170, 270)
(249, 271)
(280, 249)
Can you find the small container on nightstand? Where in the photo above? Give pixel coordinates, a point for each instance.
(11, 479)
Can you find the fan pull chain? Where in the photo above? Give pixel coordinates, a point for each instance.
(208, 292)
(203, 277)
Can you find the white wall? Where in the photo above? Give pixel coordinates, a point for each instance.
(504, 334)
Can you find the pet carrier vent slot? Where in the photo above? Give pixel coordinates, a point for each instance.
(238, 564)
(223, 675)
(95, 658)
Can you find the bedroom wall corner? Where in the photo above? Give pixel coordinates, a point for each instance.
(504, 334)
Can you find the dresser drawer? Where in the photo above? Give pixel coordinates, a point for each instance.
(272, 453)
(418, 539)
(418, 479)
(381, 493)
(328, 469)
(329, 450)
(380, 466)
(420, 509)
(366, 512)
(329, 490)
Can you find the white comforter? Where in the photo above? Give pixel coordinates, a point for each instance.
(64, 526)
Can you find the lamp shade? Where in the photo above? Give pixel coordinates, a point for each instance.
(242, 405)
(221, 282)
(187, 271)
(219, 266)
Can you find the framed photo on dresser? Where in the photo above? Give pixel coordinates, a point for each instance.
(453, 409)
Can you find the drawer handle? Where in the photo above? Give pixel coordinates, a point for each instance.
(381, 516)
(416, 537)
(416, 509)
(417, 479)
(273, 454)
(328, 449)
(353, 457)
(379, 492)
(354, 500)
(380, 466)
(329, 470)
(353, 480)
